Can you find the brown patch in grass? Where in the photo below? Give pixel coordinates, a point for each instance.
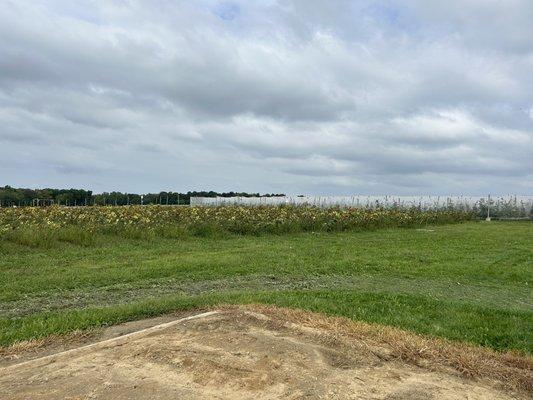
(510, 370)
(52, 343)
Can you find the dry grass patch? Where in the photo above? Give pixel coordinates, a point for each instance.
(510, 370)
(51, 344)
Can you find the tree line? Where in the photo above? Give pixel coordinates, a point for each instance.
(20, 197)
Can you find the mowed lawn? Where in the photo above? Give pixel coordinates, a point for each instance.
(469, 282)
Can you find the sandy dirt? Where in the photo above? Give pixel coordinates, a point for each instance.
(237, 354)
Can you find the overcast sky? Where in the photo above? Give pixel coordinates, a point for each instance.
(312, 97)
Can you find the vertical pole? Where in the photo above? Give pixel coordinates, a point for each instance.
(488, 209)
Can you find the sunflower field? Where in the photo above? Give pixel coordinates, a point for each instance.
(81, 223)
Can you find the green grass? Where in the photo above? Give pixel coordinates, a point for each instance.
(468, 282)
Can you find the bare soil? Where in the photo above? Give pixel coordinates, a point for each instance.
(260, 353)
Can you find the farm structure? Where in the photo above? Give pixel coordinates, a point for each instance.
(511, 206)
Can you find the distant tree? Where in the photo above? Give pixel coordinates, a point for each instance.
(10, 196)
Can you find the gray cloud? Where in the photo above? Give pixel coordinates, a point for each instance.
(334, 97)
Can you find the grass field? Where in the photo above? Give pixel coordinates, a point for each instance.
(468, 282)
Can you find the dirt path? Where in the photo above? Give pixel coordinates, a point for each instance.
(238, 353)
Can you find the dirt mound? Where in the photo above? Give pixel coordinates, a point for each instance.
(243, 353)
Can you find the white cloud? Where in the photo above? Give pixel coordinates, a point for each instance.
(295, 97)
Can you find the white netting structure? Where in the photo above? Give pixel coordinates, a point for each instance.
(496, 206)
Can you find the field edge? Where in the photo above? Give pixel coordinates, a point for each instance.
(509, 370)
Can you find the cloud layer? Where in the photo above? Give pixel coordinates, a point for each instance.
(337, 97)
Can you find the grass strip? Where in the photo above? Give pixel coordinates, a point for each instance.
(497, 329)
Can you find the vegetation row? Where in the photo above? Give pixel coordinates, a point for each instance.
(78, 224)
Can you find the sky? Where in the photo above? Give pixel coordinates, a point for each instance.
(310, 97)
